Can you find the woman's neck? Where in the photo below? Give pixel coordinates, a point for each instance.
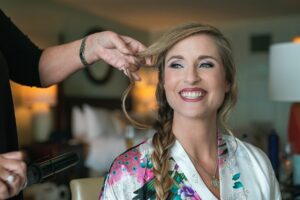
(197, 136)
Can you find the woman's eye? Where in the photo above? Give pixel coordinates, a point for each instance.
(206, 65)
(175, 65)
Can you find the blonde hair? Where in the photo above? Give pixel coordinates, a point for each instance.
(164, 139)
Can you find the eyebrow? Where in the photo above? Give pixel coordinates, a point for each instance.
(175, 57)
(199, 58)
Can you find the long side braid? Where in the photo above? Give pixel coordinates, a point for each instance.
(163, 140)
(160, 159)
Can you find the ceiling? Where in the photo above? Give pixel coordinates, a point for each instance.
(156, 15)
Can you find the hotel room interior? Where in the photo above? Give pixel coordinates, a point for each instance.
(83, 114)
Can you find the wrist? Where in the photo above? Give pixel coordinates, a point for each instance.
(90, 51)
(82, 51)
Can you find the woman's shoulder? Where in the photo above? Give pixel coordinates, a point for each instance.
(244, 149)
(135, 153)
(254, 162)
(131, 164)
(140, 149)
(242, 146)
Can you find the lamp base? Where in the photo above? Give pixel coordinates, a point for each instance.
(41, 122)
(294, 128)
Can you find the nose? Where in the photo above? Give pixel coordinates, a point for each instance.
(191, 75)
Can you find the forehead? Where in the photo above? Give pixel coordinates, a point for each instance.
(199, 44)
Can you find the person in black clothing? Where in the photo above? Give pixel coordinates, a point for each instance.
(23, 62)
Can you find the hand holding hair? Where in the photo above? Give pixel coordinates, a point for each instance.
(117, 50)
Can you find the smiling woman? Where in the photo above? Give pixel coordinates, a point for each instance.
(192, 155)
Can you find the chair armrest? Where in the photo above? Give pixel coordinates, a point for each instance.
(86, 188)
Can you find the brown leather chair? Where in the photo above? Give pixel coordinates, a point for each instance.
(86, 188)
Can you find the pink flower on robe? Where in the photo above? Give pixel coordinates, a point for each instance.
(131, 163)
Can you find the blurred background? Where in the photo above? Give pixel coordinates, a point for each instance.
(251, 26)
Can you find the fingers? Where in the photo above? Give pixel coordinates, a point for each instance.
(17, 166)
(17, 155)
(130, 46)
(137, 47)
(4, 190)
(122, 62)
(121, 45)
(149, 61)
(12, 174)
(134, 45)
(118, 51)
(133, 76)
(10, 185)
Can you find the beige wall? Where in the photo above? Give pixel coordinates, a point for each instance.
(255, 112)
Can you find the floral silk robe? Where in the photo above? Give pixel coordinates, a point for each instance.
(245, 173)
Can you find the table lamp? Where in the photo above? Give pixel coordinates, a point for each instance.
(284, 85)
(40, 100)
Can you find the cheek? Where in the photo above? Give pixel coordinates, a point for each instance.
(218, 82)
(219, 86)
(170, 80)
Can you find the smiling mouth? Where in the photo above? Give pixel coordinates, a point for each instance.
(192, 94)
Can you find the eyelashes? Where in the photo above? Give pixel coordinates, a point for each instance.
(176, 65)
(201, 65)
(206, 65)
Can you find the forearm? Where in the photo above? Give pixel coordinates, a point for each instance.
(58, 62)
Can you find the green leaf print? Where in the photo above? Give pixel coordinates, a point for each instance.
(237, 185)
(236, 176)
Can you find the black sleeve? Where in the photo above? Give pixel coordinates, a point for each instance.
(22, 56)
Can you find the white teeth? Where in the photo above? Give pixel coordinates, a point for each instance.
(191, 95)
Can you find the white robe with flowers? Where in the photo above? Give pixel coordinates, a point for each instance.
(245, 173)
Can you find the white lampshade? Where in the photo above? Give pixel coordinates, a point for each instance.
(284, 80)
